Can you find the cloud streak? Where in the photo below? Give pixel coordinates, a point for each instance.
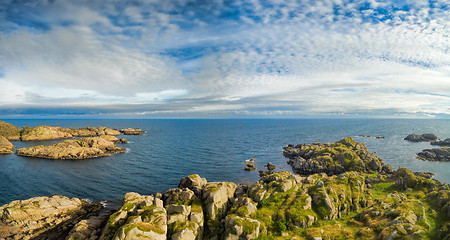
(187, 58)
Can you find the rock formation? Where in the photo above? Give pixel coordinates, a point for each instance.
(82, 148)
(32, 218)
(9, 131)
(132, 131)
(443, 143)
(90, 131)
(427, 137)
(332, 158)
(43, 133)
(113, 139)
(5, 146)
(366, 204)
(435, 154)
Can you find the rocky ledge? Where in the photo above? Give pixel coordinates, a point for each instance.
(46, 217)
(6, 147)
(426, 137)
(132, 131)
(333, 158)
(82, 148)
(435, 154)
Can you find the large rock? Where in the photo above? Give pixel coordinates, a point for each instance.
(31, 218)
(82, 148)
(43, 133)
(332, 158)
(216, 199)
(140, 217)
(5, 146)
(435, 154)
(9, 131)
(427, 137)
(185, 218)
(193, 182)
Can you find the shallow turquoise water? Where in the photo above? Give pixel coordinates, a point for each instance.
(215, 149)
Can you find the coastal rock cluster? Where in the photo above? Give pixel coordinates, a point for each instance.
(435, 154)
(333, 158)
(100, 142)
(365, 201)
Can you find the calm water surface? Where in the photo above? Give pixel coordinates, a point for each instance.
(215, 149)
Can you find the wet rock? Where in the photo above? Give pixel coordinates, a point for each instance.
(443, 143)
(270, 166)
(73, 149)
(435, 154)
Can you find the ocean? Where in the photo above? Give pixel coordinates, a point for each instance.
(215, 149)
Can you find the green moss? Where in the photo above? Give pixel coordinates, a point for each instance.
(147, 227)
(128, 206)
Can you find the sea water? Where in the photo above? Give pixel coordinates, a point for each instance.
(215, 149)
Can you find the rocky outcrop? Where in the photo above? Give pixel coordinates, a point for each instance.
(32, 218)
(132, 131)
(435, 154)
(427, 137)
(43, 133)
(332, 158)
(443, 143)
(90, 131)
(82, 148)
(9, 131)
(5, 146)
(113, 139)
(140, 217)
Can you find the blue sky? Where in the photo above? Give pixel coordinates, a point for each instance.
(225, 59)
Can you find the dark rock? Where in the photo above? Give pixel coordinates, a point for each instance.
(427, 137)
(270, 166)
(435, 154)
(443, 143)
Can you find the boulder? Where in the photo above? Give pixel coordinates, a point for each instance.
(43, 133)
(132, 131)
(5, 146)
(32, 218)
(9, 131)
(193, 182)
(427, 137)
(216, 199)
(82, 148)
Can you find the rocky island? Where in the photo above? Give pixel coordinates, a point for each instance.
(360, 198)
(435, 154)
(82, 148)
(426, 137)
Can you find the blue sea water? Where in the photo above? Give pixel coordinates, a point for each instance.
(215, 149)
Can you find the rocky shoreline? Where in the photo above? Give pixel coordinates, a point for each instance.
(441, 154)
(99, 142)
(364, 201)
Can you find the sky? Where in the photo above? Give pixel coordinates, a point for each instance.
(225, 59)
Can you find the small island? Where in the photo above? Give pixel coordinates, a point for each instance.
(360, 198)
(426, 137)
(82, 148)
